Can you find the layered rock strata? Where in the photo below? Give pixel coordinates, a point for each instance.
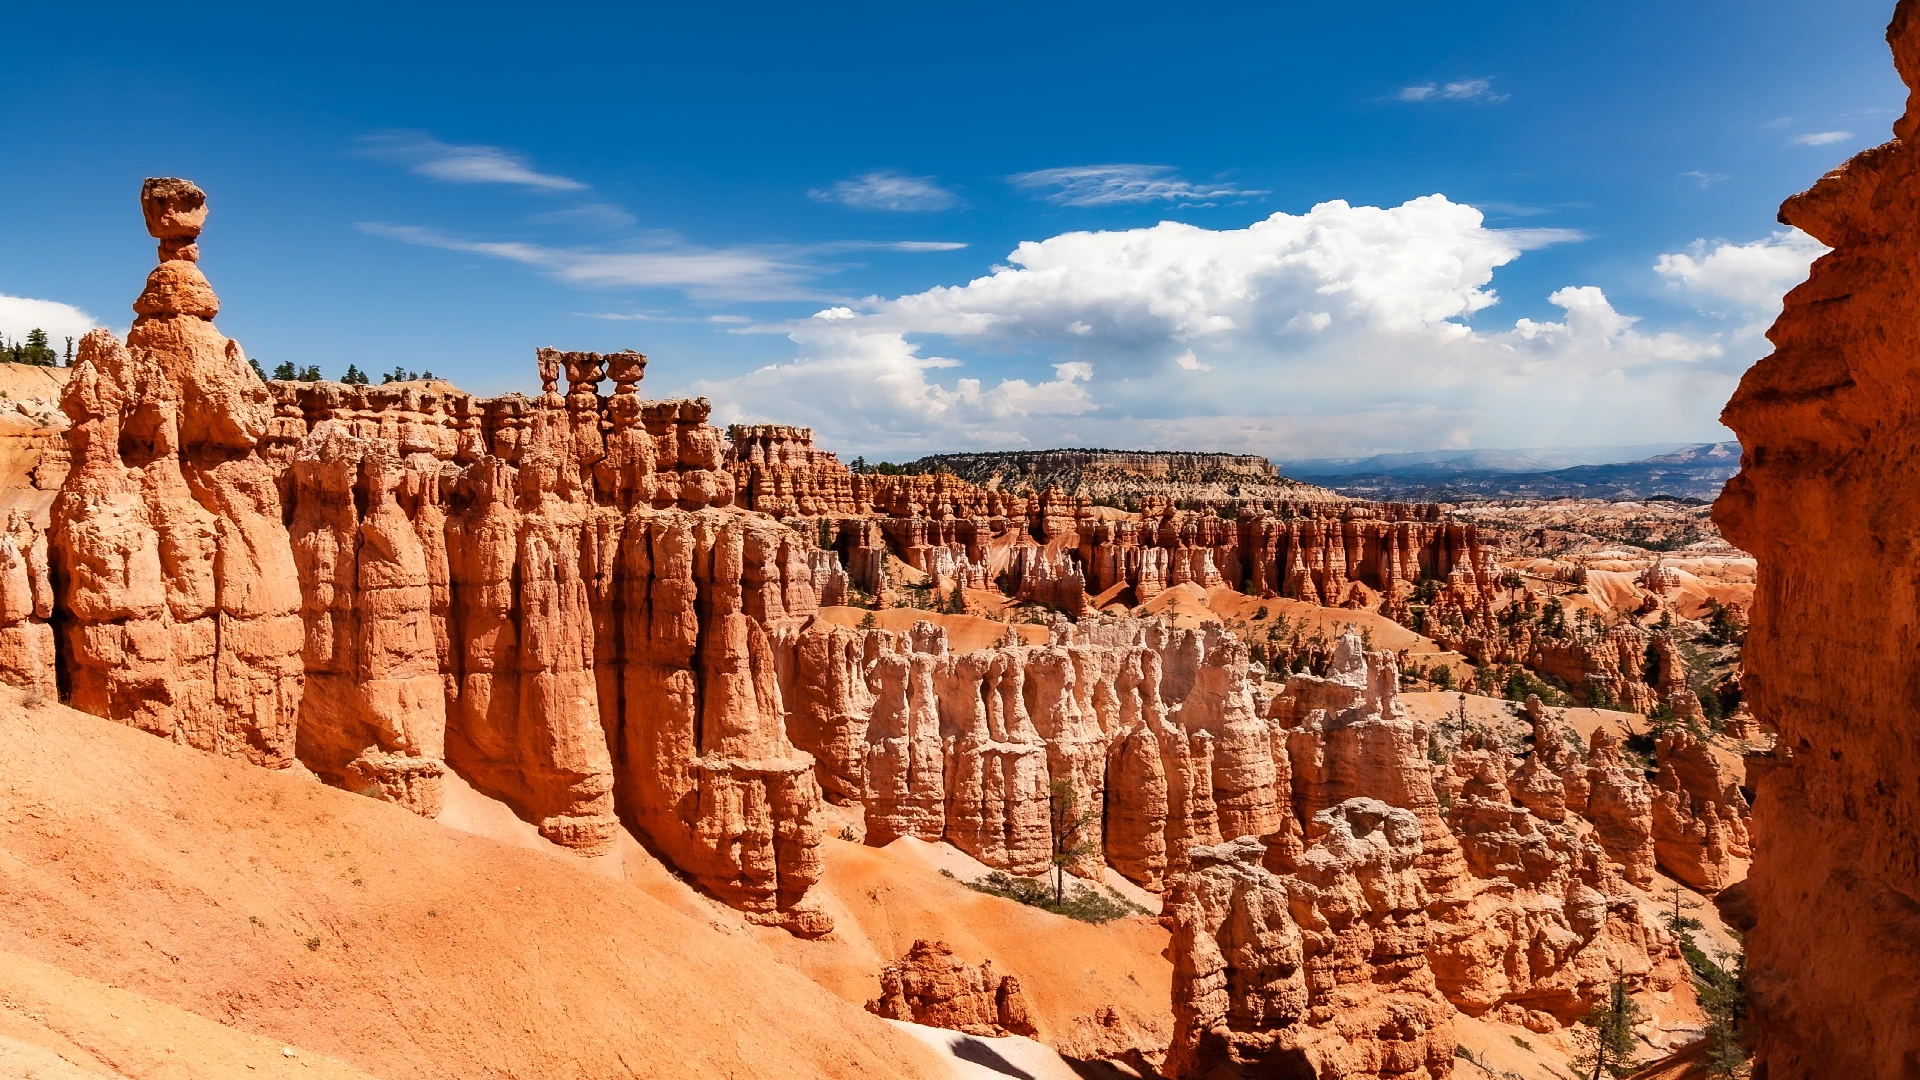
(1828, 425)
(1059, 549)
(933, 987)
(781, 472)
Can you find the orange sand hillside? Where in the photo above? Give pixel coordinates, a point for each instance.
(352, 928)
(58, 1026)
(884, 898)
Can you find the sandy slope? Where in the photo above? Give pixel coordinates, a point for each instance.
(56, 1026)
(884, 898)
(352, 928)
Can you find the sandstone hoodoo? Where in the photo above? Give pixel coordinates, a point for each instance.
(546, 593)
(1321, 972)
(931, 986)
(1827, 429)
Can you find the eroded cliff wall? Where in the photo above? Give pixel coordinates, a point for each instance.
(552, 595)
(1829, 426)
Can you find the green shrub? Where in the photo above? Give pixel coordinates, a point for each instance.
(1081, 902)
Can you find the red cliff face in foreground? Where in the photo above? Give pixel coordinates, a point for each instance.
(1830, 425)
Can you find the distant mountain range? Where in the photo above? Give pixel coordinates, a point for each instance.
(1452, 462)
(1672, 470)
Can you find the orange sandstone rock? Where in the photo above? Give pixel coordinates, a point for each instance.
(1824, 501)
(1620, 805)
(547, 594)
(184, 600)
(1699, 814)
(1317, 972)
(931, 986)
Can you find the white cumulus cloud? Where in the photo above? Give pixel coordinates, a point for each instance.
(888, 189)
(19, 315)
(1742, 280)
(1344, 328)
(1190, 362)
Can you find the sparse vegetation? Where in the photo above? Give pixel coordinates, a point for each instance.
(1519, 682)
(1608, 1045)
(286, 371)
(313, 944)
(33, 349)
(1069, 824)
(1721, 989)
(1082, 902)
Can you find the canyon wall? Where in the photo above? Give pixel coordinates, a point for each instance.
(1829, 426)
(552, 595)
(1060, 549)
(1165, 745)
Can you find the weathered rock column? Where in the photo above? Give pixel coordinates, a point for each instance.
(181, 592)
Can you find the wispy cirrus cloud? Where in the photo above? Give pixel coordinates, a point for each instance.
(835, 246)
(740, 272)
(450, 163)
(1821, 138)
(888, 189)
(590, 217)
(1115, 185)
(1462, 90)
(1703, 178)
(703, 272)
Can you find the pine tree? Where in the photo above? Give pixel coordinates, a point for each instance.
(1069, 827)
(257, 369)
(1608, 1043)
(310, 373)
(69, 352)
(353, 377)
(285, 371)
(35, 350)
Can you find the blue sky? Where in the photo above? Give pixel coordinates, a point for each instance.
(785, 206)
